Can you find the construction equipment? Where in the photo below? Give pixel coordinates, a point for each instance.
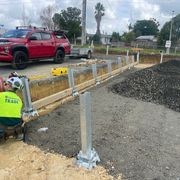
(59, 71)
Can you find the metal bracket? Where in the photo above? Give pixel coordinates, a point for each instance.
(87, 162)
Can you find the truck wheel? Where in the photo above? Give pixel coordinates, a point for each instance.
(59, 58)
(19, 60)
(89, 55)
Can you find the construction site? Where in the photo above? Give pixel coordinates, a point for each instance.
(130, 118)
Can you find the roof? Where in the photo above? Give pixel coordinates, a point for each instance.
(149, 37)
(102, 35)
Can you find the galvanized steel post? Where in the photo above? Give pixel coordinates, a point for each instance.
(138, 57)
(87, 157)
(107, 50)
(161, 60)
(94, 70)
(71, 82)
(119, 62)
(28, 109)
(109, 63)
(127, 57)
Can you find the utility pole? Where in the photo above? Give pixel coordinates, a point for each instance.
(83, 37)
(170, 35)
(23, 16)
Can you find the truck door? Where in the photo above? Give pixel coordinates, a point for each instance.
(48, 44)
(35, 45)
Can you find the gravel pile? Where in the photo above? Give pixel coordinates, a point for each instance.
(159, 84)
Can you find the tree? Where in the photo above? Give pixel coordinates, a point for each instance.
(70, 21)
(128, 37)
(165, 31)
(46, 17)
(96, 39)
(26, 21)
(115, 37)
(99, 12)
(146, 27)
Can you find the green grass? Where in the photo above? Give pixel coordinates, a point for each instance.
(123, 50)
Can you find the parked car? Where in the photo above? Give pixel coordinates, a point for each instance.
(81, 52)
(25, 44)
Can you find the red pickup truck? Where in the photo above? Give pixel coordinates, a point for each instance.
(22, 45)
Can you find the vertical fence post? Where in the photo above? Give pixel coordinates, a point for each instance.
(107, 50)
(127, 57)
(138, 57)
(71, 82)
(87, 157)
(109, 68)
(133, 59)
(94, 70)
(161, 60)
(119, 62)
(28, 109)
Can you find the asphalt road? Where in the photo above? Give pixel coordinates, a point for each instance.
(39, 69)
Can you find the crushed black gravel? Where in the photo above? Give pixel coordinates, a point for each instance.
(159, 84)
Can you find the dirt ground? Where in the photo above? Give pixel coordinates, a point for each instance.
(20, 161)
(135, 140)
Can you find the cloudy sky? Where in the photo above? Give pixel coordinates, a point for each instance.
(118, 13)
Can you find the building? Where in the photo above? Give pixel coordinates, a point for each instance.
(149, 41)
(105, 39)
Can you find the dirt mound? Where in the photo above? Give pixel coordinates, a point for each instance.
(159, 84)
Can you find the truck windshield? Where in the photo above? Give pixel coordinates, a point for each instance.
(17, 33)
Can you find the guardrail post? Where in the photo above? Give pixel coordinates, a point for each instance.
(119, 62)
(94, 70)
(28, 109)
(138, 57)
(127, 57)
(109, 63)
(110, 68)
(133, 58)
(107, 50)
(161, 60)
(87, 157)
(71, 82)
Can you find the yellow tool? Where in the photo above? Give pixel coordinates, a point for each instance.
(59, 71)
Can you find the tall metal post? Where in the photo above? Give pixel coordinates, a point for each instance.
(138, 57)
(127, 57)
(161, 60)
(87, 157)
(94, 71)
(28, 108)
(83, 37)
(71, 82)
(119, 62)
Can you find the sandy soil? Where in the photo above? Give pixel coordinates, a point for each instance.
(20, 161)
(135, 139)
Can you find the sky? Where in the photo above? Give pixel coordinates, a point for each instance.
(118, 13)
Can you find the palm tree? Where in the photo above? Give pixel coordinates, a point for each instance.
(99, 12)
